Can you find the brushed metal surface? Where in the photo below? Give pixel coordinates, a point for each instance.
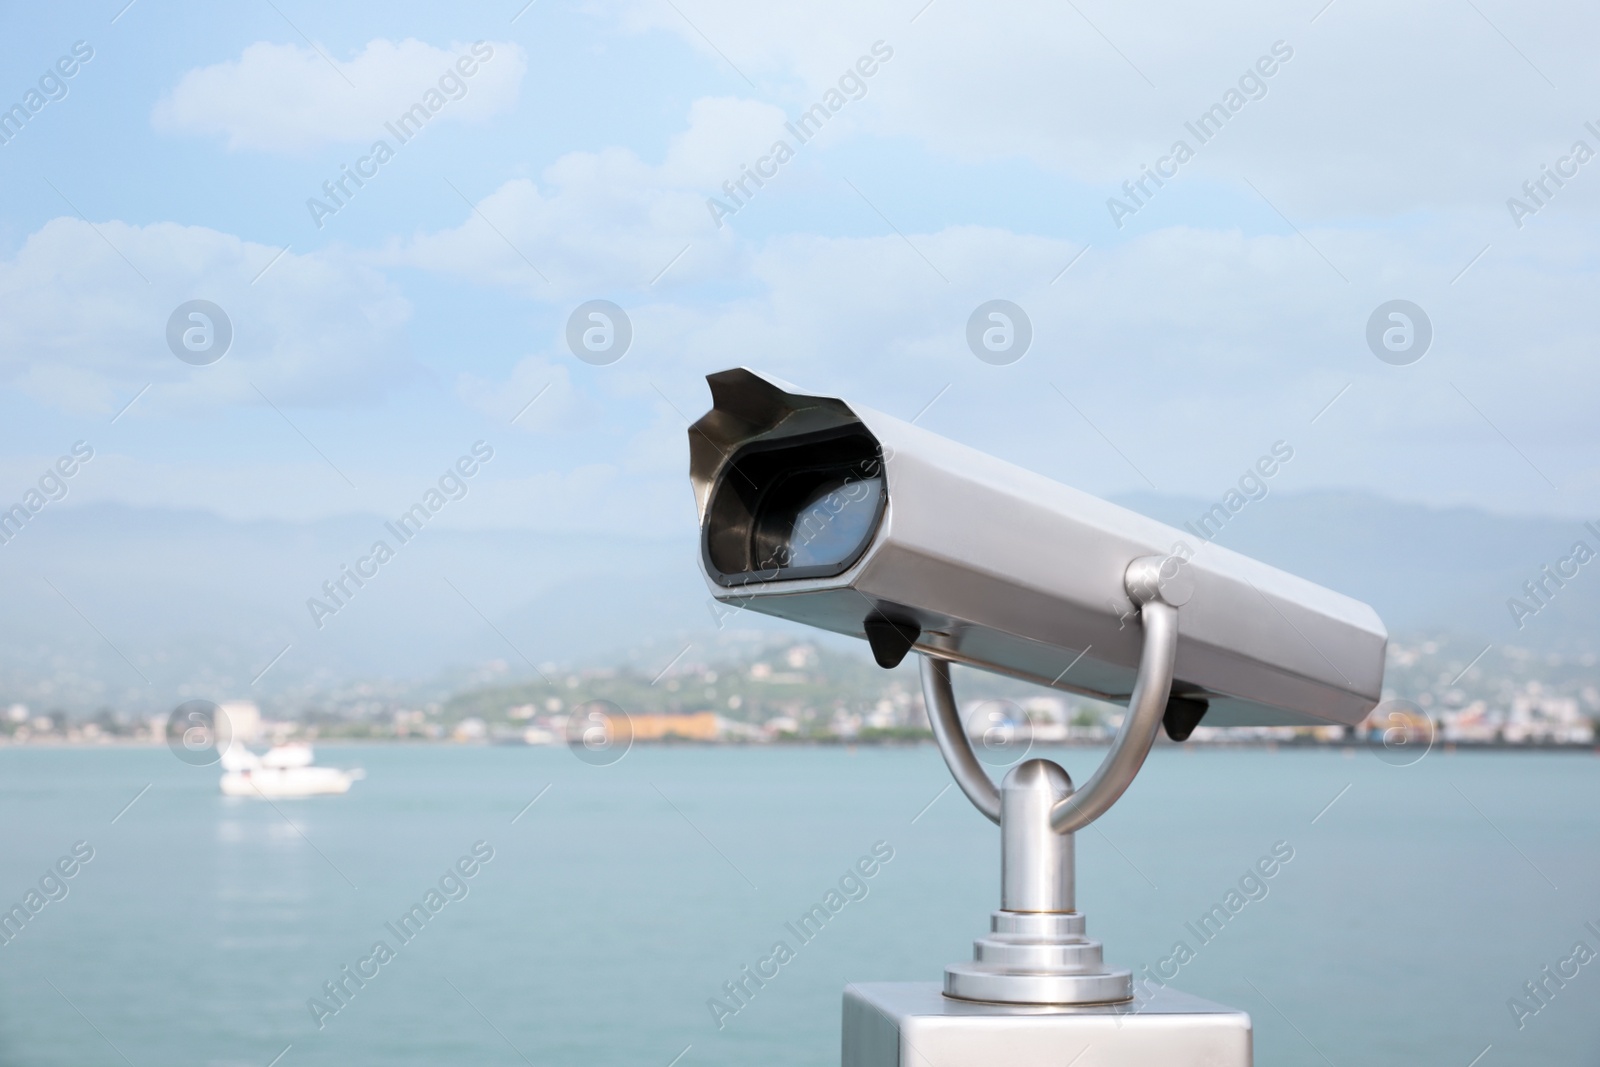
(939, 697)
(909, 1024)
(1010, 571)
(1036, 862)
(1160, 622)
(1065, 957)
(996, 983)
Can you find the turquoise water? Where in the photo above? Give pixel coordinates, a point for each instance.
(614, 907)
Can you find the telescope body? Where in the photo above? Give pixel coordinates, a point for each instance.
(838, 516)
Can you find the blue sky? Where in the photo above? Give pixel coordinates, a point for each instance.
(1225, 315)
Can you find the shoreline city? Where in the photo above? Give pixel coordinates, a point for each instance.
(803, 693)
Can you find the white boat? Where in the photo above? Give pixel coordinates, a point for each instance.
(284, 771)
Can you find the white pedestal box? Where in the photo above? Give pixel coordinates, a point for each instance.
(913, 1024)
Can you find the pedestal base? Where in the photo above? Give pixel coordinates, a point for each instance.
(912, 1024)
(1037, 958)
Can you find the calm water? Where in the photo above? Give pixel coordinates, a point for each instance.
(620, 902)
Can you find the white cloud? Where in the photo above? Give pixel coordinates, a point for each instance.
(1190, 350)
(537, 397)
(88, 307)
(605, 220)
(285, 98)
(1382, 109)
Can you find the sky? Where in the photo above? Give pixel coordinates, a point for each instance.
(1356, 154)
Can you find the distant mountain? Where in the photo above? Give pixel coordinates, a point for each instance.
(1425, 569)
(140, 608)
(100, 598)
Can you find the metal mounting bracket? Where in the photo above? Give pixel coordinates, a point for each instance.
(1037, 952)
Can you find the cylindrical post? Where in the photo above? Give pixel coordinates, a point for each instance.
(1036, 951)
(1036, 862)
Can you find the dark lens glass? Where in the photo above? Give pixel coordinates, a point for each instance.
(805, 506)
(816, 519)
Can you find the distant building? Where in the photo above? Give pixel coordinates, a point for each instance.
(1473, 723)
(244, 719)
(800, 657)
(882, 717)
(698, 726)
(844, 724)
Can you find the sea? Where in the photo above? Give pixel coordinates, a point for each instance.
(534, 908)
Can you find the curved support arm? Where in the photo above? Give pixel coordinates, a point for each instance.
(969, 774)
(1160, 585)
(1138, 732)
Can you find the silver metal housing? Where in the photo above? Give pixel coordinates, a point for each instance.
(1006, 570)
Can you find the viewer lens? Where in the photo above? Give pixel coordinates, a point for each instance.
(816, 519)
(807, 506)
